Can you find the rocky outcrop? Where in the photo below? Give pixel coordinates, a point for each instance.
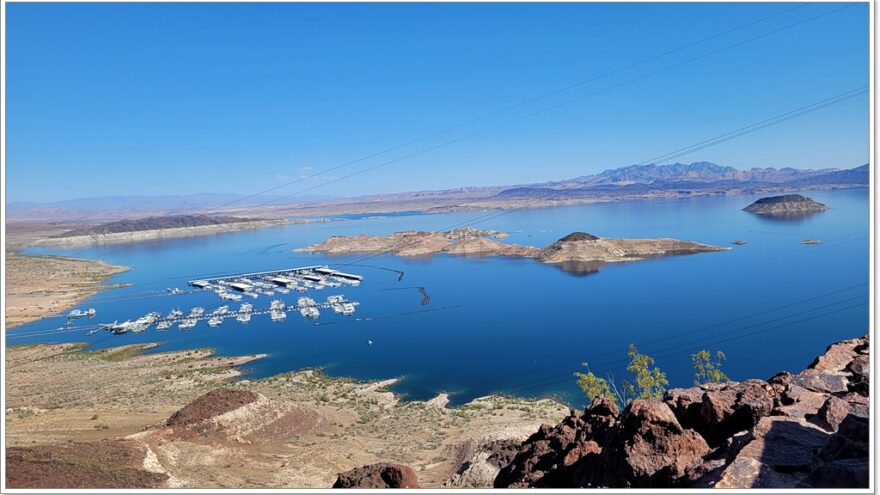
(806, 430)
(575, 247)
(789, 204)
(378, 476)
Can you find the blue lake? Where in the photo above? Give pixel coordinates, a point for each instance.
(517, 326)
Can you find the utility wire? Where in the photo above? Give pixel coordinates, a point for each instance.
(518, 105)
(678, 350)
(555, 106)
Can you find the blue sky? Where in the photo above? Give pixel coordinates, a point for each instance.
(107, 99)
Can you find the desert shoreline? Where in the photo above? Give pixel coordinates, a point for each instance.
(41, 286)
(319, 425)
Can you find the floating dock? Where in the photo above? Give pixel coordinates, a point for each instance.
(267, 282)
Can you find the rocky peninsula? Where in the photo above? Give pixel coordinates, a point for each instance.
(575, 247)
(789, 204)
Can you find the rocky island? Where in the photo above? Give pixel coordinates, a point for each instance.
(575, 247)
(789, 204)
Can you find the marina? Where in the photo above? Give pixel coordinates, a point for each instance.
(277, 311)
(267, 283)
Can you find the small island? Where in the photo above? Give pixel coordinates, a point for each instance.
(789, 204)
(575, 247)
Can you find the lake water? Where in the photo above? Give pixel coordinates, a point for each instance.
(517, 326)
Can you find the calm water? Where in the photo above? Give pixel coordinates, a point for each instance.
(518, 326)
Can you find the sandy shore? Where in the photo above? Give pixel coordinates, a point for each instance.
(157, 234)
(40, 286)
(301, 431)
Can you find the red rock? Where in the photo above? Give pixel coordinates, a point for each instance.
(651, 449)
(836, 356)
(820, 381)
(779, 455)
(379, 475)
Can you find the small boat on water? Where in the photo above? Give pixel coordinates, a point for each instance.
(309, 312)
(243, 317)
(246, 308)
(197, 311)
(276, 304)
(187, 323)
(277, 314)
(222, 310)
(78, 313)
(306, 302)
(117, 328)
(215, 321)
(163, 325)
(175, 313)
(347, 309)
(229, 296)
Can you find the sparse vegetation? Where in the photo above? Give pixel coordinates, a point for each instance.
(649, 382)
(708, 369)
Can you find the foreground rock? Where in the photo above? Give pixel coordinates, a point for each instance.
(808, 430)
(575, 247)
(789, 204)
(378, 476)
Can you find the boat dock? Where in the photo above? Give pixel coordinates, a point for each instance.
(267, 283)
(278, 310)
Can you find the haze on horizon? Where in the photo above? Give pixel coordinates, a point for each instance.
(115, 99)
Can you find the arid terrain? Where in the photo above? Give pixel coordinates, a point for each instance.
(575, 247)
(296, 429)
(40, 286)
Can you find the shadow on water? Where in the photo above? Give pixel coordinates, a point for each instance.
(794, 217)
(581, 268)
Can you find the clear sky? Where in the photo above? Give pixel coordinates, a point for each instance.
(106, 99)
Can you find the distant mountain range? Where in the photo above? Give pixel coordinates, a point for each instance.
(692, 176)
(635, 181)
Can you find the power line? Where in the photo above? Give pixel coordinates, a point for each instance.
(517, 105)
(678, 350)
(740, 132)
(554, 107)
(682, 334)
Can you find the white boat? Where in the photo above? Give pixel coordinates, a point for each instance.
(187, 323)
(175, 313)
(336, 299)
(229, 296)
(197, 311)
(163, 325)
(309, 312)
(277, 315)
(117, 328)
(347, 309)
(222, 310)
(243, 317)
(78, 313)
(215, 321)
(300, 288)
(276, 304)
(306, 302)
(246, 308)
